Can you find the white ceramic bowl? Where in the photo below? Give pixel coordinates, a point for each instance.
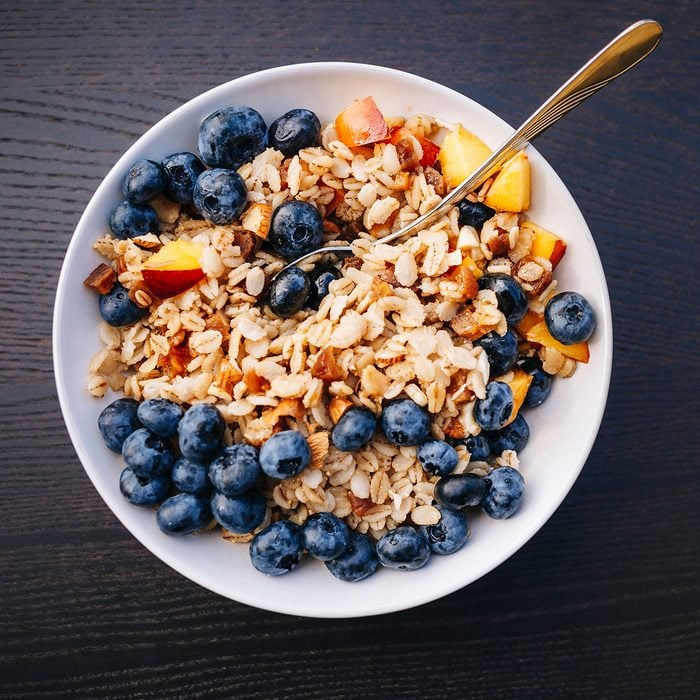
(562, 429)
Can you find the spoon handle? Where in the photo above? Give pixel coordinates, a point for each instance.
(624, 51)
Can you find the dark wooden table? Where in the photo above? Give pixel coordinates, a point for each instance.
(603, 602)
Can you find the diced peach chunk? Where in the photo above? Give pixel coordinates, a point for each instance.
(361, 123)
(173, 269)
(545, 244)
(540, 334)
(519, 385)
(461, 154)
(510, 189)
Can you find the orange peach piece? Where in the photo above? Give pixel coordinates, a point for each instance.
(173, 269)
(510, 189)
(361, 123)
(519, 385)
(461, 154)
(527, 322)
(541, 335)
(545, 244)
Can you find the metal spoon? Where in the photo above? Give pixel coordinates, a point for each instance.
(624, 51)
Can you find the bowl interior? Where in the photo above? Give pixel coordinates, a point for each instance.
(562, 430)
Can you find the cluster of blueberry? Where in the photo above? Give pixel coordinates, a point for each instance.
(222, 483)
(351, 556)
(209, 183)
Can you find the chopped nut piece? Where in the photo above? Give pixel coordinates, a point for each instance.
(101, 279)
(434, 178)
(402, 182)
(500, 244)
(287, 407)
(219, 322)
(256, 219)
(454, 429)
(360, 505)
(255, 383)
(166, 210)
(245, 240)
(148, 242)
(141, 295)
(408, 158)
(227, 377)
(463, 276)
(353, 261)
(120, 265)
(465, 324)
(325, 368)
(337, 407)
(319, 444)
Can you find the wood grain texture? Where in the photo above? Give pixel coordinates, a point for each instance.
(603, 602)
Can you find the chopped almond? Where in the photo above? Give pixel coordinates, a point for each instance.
(360, 505)
(219, 322)
(256, 219)
(434, 178)
(325, 368)
(464, 277)
(255, 383)
(337, 407)
(101, 279)
(465, 325)
(227, 377)
(318, 445)
(286, 407)
(245, 240)
(408, 158)
(454, 429)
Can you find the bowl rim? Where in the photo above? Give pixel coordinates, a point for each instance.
(443, 588)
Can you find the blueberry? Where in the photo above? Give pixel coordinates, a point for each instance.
(289, 292)
(354, 429)
(232, 136)
(513, 437)
(183, 514)
(474, 214)
(277, 549)
(296, 228)
(325, 536)
(117, 421)
(160, 416)
(502, 351)
(510, 295)
(297, 129)
(147, 454)
(404, 548)
(357, 562)
(541, 383)
(235, 470)
(142, 491)
(182, 169)
(460, 490)
(239, 514)
(145, 180)
(478, 448)
(504, 492)
(201, 433)
(117, 309)
(129, 220)
(220, 195)
(321, 277)
(404, 422)
(449, 534)
(437, 457)
(569, 318)
(190, 477)
(285, 454)
(493, 411)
